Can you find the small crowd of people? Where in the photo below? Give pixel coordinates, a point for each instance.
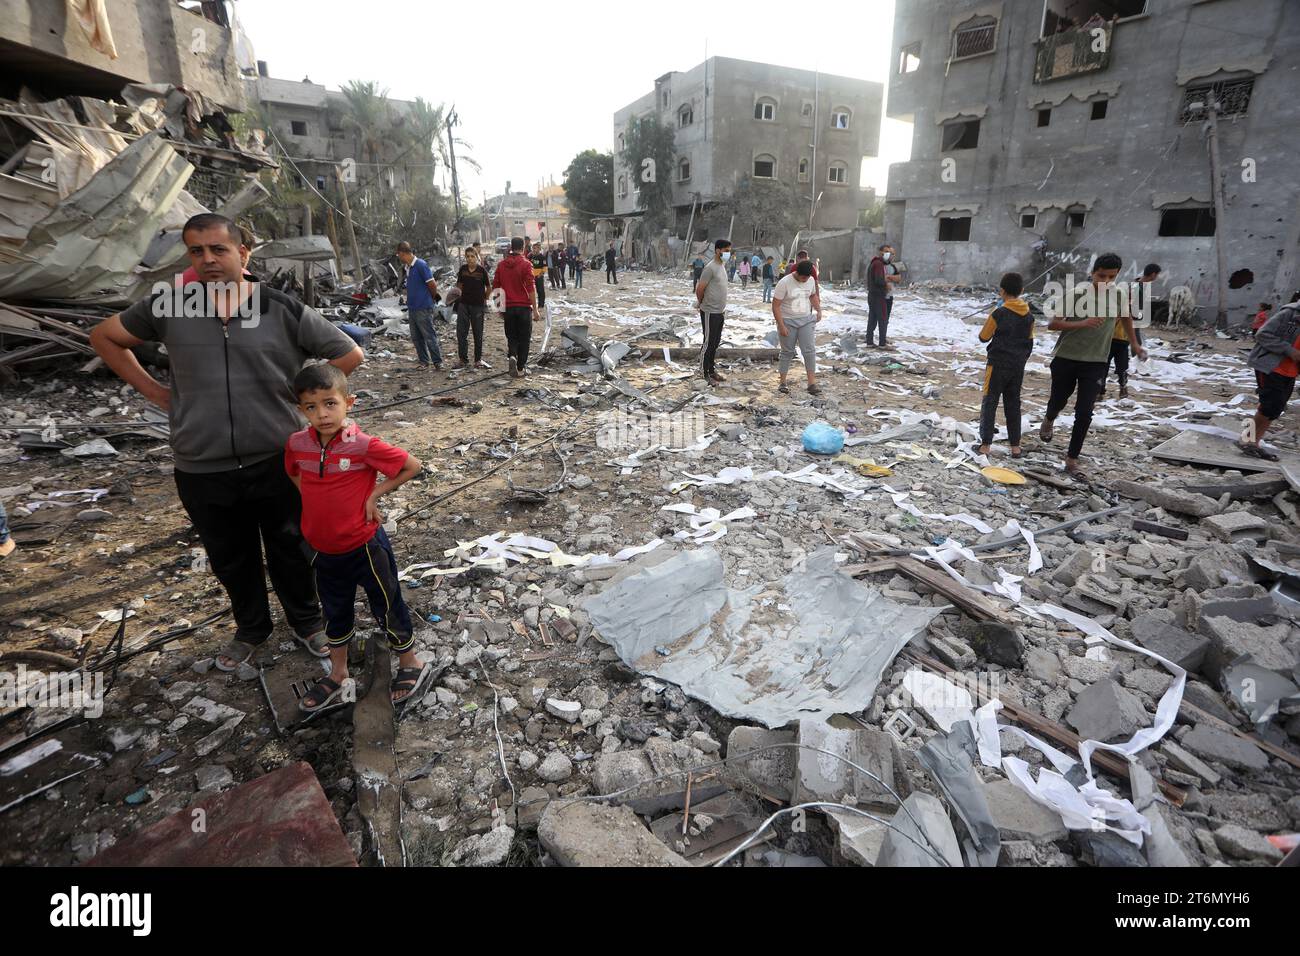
(266, 494)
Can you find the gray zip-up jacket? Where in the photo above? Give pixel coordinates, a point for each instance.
(1274, 337)
(232, 401)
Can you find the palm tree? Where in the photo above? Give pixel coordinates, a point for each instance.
(366, 113)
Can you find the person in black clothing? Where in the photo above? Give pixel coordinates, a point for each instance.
(538, 258)
(1009, 332)
(572, 252)
(611, 261)
(472, 281)
(878, 294)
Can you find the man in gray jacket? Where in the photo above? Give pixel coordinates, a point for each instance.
(1276, 361)
(234, 347)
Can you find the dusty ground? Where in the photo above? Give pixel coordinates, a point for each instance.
(142, 552)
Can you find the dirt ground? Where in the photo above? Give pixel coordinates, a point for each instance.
(143, 554)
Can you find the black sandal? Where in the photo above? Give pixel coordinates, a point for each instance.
(413, 677)
(1256, 451)
(323, 693)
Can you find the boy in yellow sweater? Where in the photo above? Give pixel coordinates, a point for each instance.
(1009, 333)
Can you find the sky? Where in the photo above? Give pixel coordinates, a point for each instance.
(533, 94)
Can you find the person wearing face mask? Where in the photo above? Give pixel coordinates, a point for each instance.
(711, 294)
(879, 288)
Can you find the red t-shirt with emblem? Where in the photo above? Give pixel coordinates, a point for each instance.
(336, 480)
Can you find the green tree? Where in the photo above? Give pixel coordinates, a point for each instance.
(645, 140)
(767, 211)
(587, 185)
(366, 114)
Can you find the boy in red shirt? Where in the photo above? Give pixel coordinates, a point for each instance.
(333, 463)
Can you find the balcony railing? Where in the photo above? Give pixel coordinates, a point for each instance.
(1073, 52)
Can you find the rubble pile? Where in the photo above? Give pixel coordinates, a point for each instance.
(877, 658)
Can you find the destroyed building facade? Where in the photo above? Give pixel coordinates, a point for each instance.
(1048, 131)
(736, 121)
(43, 46)
(313, 125)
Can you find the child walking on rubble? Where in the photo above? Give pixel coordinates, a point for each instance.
(334, 464)
(1009, 332)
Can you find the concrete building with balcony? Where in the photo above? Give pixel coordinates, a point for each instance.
(736, 121)
(1048, 131)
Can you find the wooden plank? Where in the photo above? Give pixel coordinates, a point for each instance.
(1150, 527)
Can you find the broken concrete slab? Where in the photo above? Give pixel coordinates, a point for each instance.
(1231, 640)
(1230, 750)
(1235, 526)
(1172, 841)
(1216, 565)
(1170, 499)
(1107, 712)
(820, 776)
(858, 838)
(923, 819)
(1020, 817)
(486, 849)
(581, 833)
(1242, 844)
(1180, 759)
(1174, 644)
(772, 771)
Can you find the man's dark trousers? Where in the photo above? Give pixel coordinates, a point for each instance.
(238, 514)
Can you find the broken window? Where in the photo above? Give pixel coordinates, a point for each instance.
(665, 99)
(1062, 15)
(1231, 98)
(909, 58)
(765, 109)
(840, 118)
(621, 143)
(320, 183)
(974, 37)
(838, 173)
(1187, 221)
(299, 127)
(1099, 109)
(806, 108)
(1028, 220)
(622, 186)
(954, 228)
(683, 169)
(961, 135)
(1074, 219)
(803, 170)
(1044, 116)
(685, 116)
(765, 167)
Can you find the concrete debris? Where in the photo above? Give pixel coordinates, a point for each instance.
(922, 818)
(1107, 712)
(1020, 817)
(577, 833)
(820, 776)
(1243, 844)
(1230, 750)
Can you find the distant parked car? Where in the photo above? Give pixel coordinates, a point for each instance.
(503, 244)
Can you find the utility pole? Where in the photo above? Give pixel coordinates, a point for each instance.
(812, 173)
(1220, 225)
(453, 120)
(352, 232)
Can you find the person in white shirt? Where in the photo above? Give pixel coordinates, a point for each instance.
(797, 308)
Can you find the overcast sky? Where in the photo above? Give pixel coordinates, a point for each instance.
(536, 84)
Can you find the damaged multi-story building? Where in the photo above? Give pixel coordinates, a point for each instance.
(736, 122)
(1048, 131)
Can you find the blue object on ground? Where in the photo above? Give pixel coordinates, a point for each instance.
(823, 439)
(356, 333)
